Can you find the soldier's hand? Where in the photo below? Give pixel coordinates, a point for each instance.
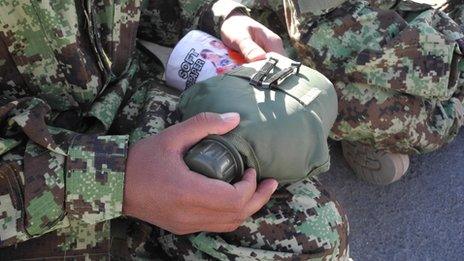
(252, 39)
(161, 190)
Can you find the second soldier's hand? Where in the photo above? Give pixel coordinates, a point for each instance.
(252, 39)
(161, 190)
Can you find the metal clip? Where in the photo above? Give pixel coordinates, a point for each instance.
(258, 78)
(279, 77)
(296, 65)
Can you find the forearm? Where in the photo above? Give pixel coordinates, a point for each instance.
(211, 15)
(166, 21)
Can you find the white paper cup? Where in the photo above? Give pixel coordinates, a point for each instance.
(198, 56)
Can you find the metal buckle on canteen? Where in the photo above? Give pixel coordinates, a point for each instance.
(279, 77)
(258, 78)
(297, 66)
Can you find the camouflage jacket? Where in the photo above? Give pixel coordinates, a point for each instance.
(65, 70)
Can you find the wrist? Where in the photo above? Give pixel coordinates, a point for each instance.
(236, 12)
(128, 187)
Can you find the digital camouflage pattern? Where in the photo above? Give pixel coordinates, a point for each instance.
(301, 222)
(58, 98)
(455, 8)
(74, 93)
(397, 66)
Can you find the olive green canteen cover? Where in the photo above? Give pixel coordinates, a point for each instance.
(286, 112)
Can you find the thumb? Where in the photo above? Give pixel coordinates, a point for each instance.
(251, 50)
(191, 131)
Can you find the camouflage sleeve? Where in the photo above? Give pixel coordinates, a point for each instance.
(212, 15)
(95, 177)
(165, 21)
(50, 176)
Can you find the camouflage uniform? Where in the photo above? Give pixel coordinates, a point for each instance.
(455, 9)
(397, 66)
(74, 95)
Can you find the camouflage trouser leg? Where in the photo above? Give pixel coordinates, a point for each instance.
(399, 73)
(301, 221)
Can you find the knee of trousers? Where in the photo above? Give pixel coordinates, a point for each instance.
(301, 221)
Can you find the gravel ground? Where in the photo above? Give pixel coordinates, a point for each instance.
(418, 218)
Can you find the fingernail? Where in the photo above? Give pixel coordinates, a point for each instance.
(230, 116)
(252, 172)
(276, 185)
(256, 57)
